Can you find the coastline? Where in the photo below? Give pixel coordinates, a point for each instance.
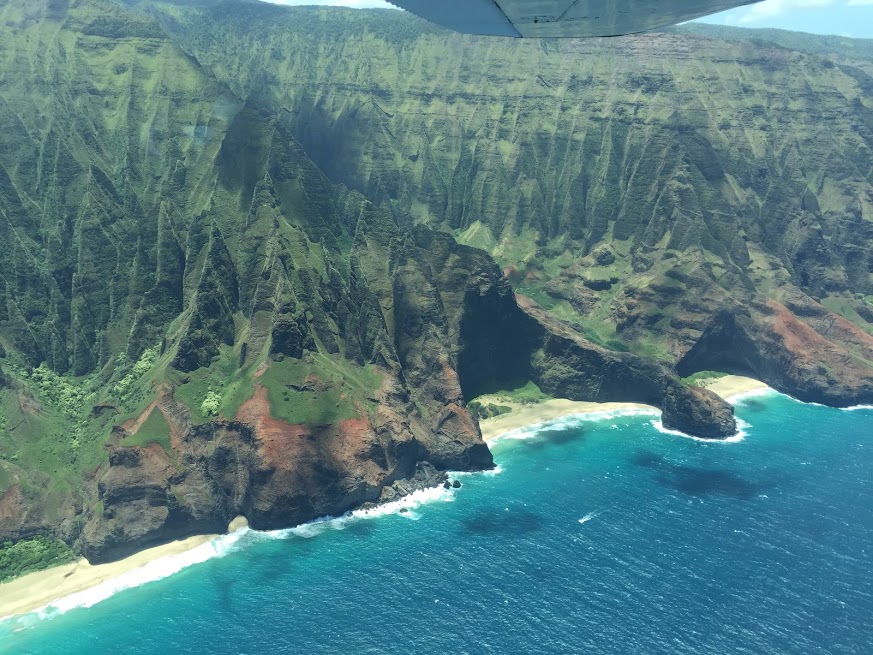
(36, 590)
(728, 387)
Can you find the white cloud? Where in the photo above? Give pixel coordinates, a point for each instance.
(772, 8)
(357, 4)
(860, 3)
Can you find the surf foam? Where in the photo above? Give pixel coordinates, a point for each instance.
(739, 436)
(855, 408)
(571, 421)
(404, 507)
(151, 572)
(753, 393)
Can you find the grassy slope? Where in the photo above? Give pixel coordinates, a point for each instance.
(735, 160)
(124, 165)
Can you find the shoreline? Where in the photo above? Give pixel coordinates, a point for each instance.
(39, 590)
(729, 387)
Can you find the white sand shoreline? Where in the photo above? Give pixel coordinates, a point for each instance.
(732, 388)
(36, 591)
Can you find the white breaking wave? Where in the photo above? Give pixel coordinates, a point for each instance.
(220, 546)
(745, 395)
(403, 507)
(588, 517)
(855, 408)
(739, 436)
(152, 571)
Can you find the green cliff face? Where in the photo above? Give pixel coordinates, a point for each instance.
(631, 185)
(250, 254)
(179, 281)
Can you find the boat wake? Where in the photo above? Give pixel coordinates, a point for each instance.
(588, 517)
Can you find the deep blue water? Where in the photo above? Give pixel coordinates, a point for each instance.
(760, 546)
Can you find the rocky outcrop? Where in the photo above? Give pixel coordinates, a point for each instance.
(289, 348)
(784, 350)
(503, 341)
(273, 473)
(568, 366)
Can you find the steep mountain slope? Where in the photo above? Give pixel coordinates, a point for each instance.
(196, 323)
(649, 189)
(177, 255)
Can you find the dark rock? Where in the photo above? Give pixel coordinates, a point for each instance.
(786, 353)
(598, 284)
(603, 255)
(99, 410)
(456, 485)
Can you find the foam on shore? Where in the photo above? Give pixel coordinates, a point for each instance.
(571, 420)
(157, 569)
(752, 393)
(168, 565)
(738, 437)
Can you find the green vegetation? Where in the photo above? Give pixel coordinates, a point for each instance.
(57, 391)
(484, 411)
(146, 361)
(210, 404)
(318, 390)
(696, 378)
(618, 176)
(219, 389)
(155, 429)
(30, 555)
(523, 393)
(170, 227)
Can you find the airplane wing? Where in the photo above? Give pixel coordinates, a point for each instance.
(568, 18)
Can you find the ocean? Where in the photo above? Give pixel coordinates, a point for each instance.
(600, 534)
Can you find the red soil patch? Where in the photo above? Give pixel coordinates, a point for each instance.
(799, 337)
(11, 504)
(277, 438)
(132, 425)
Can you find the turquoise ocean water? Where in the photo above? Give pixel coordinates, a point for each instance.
(594, 536)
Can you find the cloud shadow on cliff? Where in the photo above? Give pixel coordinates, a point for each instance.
(696, 481)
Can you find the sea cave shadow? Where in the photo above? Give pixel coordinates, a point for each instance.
(514, 522)
(696, 481)
(753, 405)
(561, 436)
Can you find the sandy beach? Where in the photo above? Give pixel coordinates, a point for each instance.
(36, 590)
(732, 385)
(531, 414)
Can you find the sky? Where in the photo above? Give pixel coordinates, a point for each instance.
(843, 17)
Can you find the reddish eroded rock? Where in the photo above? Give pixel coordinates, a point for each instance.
(772, 344)
(12, 507)
(273, 473)
(24, 515)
